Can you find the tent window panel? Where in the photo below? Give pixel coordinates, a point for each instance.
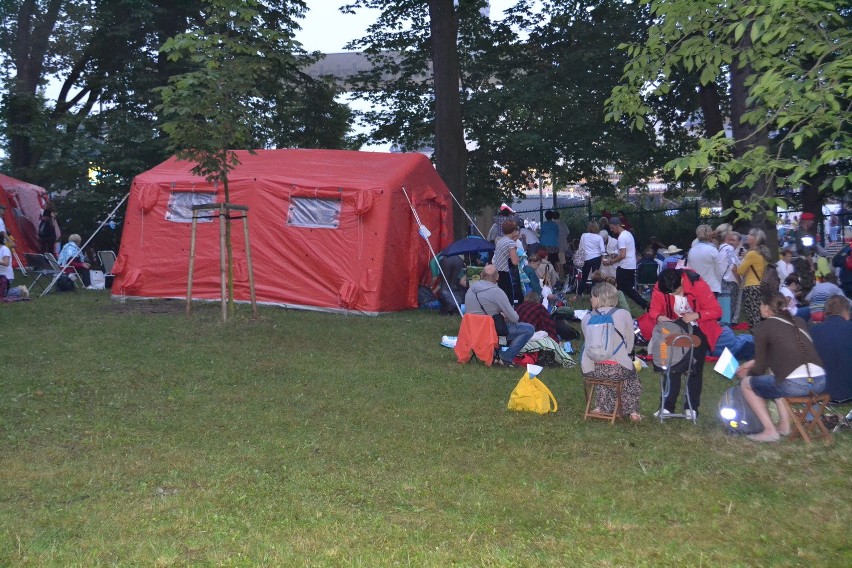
(180, 206)
(314, 213)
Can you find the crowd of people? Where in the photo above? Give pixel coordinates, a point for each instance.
(720, 277)
(68, 254)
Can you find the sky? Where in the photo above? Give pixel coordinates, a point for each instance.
(325, 29)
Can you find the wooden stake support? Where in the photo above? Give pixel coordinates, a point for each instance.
(220, 210)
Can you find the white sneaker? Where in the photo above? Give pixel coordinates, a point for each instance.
(690, 414)
(664, 411)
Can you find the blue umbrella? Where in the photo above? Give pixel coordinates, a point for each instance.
(468, 245)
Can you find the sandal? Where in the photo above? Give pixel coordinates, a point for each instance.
(635, 417)
(505, 364)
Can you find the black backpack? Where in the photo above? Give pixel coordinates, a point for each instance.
(65, 284)
(46, 230)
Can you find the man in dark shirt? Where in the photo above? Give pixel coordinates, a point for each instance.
(453, 268)
(832, 339)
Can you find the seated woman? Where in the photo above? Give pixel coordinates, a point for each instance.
(604, 297)
(782, 341)
(597, 277)
(791, 289)
(72, 255)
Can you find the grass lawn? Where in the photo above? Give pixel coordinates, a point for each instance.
(131, 435)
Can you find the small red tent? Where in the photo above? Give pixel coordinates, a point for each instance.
(329, 230)
(24, 203)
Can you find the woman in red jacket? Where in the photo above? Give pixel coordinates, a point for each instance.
(683, 295)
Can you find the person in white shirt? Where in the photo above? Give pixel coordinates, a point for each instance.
(593, 247)
(790, 288)
(705, 259)
(528, 236)
(625, 262)
(730, 279)
(2, 223)
(7, 273)
(611, 246)
(785, 265)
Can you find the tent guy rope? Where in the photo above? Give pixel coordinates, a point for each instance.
(425, 233)
(101, 226)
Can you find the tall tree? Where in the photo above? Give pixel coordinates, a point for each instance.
(532, 90)
(241, 58)
(540, 103)
(450, 150)
(414, 82)
(788, 65)
(82, 48)
(79, 95)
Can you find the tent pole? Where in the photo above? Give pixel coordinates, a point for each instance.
(191, 262)
(431, 250)
(18, 260)
(467, 215)
(250, 268)
(82, 248)
(222, 221)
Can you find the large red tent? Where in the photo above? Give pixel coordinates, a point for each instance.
(24, 203)
(329, 230)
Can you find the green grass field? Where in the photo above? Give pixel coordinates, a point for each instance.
(132, 435)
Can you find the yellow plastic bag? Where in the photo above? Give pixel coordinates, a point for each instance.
(532, 395)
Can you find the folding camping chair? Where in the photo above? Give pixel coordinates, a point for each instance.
(57, 268)
(39, 266)
(646, 277)
(107, 258)
(477, 335)
(677, 341)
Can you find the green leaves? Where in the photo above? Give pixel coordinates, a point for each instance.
(792, 118)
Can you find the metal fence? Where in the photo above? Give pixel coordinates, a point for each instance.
(673, 225)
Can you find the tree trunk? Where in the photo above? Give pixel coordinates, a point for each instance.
(746, 137)
(229, 249)
(31, 38)
(711, 107)
(450, 150)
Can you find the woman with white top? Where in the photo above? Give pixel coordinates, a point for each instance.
(593, 247)
(704, 258)
(730, 279)
(7, 273)
(611, 245)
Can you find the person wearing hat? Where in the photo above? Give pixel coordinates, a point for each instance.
(505, 213)
(806, 235)
(625, 263)
(673, 256)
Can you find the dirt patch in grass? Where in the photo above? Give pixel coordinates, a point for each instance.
(164, 306)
